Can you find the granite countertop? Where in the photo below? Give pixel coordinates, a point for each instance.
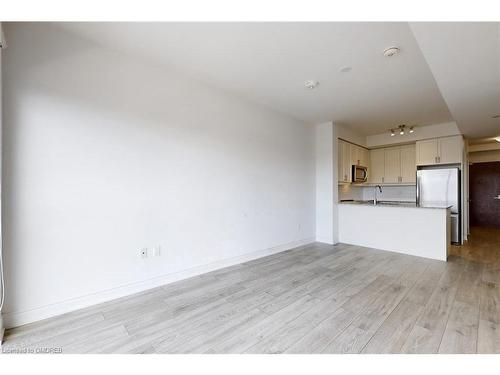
(395, 204)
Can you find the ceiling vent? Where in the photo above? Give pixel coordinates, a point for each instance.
(391, 51)
(311, 84)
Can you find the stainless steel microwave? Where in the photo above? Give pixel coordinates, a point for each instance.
(359, 173)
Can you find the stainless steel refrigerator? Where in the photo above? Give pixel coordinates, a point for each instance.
(438, 187)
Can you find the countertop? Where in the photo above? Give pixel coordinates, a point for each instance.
(404, 204)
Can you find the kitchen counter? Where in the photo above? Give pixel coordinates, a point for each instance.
(396, 204)
(401, 227)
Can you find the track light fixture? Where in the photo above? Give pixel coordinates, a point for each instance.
(401, 129)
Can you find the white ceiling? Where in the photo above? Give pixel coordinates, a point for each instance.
(269, 62)
(465, 60)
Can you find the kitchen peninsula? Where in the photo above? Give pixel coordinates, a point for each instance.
(401, 227)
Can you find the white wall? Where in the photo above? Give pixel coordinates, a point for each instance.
(324, 183)
(347, 134)
(105, 155)
(2, 328)
(489, 146)
(421, 132)
(484, 156)
(335, 178)
(343, 191)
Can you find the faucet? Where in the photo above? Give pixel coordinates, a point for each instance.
(375, 193)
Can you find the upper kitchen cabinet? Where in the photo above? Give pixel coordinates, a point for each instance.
(344, 161)
(408, 164)
(393, 165)
(365, 157)
(359, 156)
(348, 155)
(450, 150)
(376, 171)
(427, 152)
(447, 150)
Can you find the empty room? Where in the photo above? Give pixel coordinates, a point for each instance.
(250, 187)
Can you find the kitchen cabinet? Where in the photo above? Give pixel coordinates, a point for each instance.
(344, 161)
(348, 155)
(447, 150)
(408, 164)
(393, 165)
(354, 154)
(450, 150)
(377, 166)
(340, 162)
(359, 156)
(427, 151)
(364, 157)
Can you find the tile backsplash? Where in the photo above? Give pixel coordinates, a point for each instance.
(392, 193)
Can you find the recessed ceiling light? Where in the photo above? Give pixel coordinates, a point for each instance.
(495, 116)
(412, 129)
(497, 139)
(311, 84)
(391, 51)
(345, 69)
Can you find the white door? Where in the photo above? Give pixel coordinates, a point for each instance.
(450, 150)
(376, 170)
(408, 166)
(392, 165)
(427, 152)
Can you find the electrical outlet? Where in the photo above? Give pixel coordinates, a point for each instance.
(143, 253)
(156, 251)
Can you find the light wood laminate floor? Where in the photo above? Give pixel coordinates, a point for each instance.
(314, 299)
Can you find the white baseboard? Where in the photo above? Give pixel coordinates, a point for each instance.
(326, 240)
(18, 318)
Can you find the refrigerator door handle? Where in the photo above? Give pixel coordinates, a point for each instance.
(418, 189)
